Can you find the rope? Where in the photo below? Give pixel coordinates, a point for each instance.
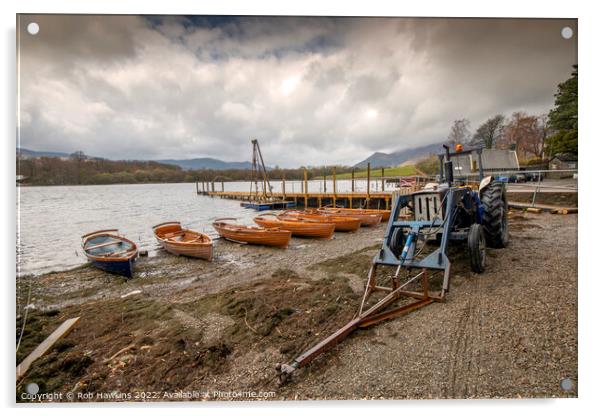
(25, 315)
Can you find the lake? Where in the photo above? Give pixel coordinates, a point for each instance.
(52, 219)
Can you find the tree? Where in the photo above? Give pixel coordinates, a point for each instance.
(79, 156)
(460, 132)
(489, 132)
(535, 143)
(525, 134)
(563, 118)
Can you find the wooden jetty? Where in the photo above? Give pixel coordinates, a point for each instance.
(380, 200)
(368, 198)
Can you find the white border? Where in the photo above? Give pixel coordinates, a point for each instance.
(590, 212)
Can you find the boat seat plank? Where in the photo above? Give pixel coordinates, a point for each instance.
(173, 234)
(43, 348)
(110, 243)
(119, 253)
(192, 240)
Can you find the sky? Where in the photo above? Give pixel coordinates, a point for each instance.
(312, 90)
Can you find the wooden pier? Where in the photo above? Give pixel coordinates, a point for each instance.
(381, 200)
(364, 199)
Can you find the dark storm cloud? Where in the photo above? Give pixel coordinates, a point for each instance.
(313, 90)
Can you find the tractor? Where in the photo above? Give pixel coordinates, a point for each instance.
(441, 214)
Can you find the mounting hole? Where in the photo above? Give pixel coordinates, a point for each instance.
(32, 388)
(33, 28)
(567, 384)
(566, 32)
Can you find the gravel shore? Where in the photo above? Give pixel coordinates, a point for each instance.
(222, 326)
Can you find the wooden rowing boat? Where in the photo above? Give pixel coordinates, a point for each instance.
(386, 213)
(183, 242)
(111, 252)
(366, 220)
(341, 223)
(298, 226)
(251, 235)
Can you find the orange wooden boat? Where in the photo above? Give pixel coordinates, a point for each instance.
(367, 220)
(386, 213)
(251, 235)
(341, 223)
(183, 242)
(298, 226)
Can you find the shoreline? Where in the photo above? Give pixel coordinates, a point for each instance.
(222, 326)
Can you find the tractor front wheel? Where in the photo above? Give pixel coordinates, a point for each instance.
(476, 248)
(495, 215)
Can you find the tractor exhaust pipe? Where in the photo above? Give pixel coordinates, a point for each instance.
(448, 167)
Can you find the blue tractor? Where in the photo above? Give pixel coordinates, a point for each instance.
(420, 230)
(448, 212)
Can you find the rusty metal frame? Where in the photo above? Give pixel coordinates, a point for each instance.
(370, 315)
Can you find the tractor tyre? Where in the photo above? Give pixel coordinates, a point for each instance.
(397, 242)
(495, 215)
(476, 248)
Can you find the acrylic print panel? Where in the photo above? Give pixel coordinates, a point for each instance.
(377, 202)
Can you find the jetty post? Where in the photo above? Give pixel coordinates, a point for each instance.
(382, 179)
(305, 182)
(283, 187)
(334, 186)
(368, 189)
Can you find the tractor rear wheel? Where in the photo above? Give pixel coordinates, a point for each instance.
(476, 248)
(397, 242)
(495, 215)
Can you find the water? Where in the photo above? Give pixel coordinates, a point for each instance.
(51, 220)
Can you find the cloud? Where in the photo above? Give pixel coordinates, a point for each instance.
(313, 90)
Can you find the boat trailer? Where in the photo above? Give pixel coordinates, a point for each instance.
(443, 213)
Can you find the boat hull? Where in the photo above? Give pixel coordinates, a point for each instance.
(341, 223)
(367, 220)
(385, 213)
(298, 228)
(204, 252)
(183, 242)
(108, 251)
(253, 235)
(121, 267)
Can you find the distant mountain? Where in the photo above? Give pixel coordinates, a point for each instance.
(26, 153)
(186, 164)
(380, 159)
(206, 163)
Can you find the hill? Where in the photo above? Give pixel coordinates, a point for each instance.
(380, 159)
(31, 154)
(375, 173)
(186, 164)
(206, 163)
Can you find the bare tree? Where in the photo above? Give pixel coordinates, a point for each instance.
(526, 134)
(544, 132)
(489, 132)
(78, 155)
(460, 132)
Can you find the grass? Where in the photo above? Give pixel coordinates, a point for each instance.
(376, 173)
